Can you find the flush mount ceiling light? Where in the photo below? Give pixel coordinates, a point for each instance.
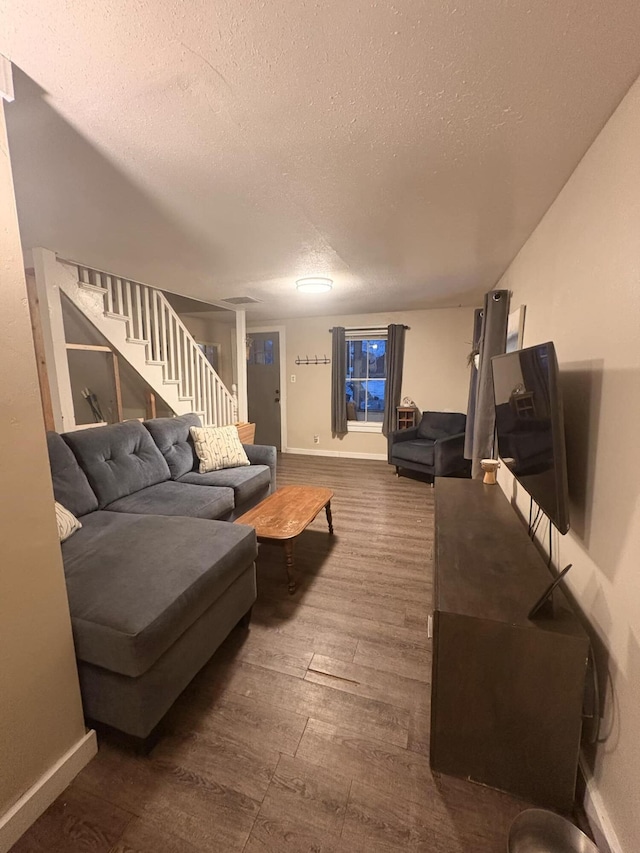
(314, 284)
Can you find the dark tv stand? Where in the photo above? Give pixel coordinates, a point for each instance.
(507, 691)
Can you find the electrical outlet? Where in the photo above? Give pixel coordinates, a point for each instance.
(293, 377)
(316, 439)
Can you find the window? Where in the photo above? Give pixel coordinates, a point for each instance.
(260, 351)
(366, 380)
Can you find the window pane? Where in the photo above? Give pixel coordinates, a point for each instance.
(349, 390)
(261, 351)
(375, 417)
(350, 351)
(357, 395)
(357, 358)
(375, 395)
(376, 356)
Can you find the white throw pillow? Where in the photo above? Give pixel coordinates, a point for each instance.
(67, 522)
(218, 447)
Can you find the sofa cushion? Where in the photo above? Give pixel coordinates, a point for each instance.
(137, 582)
(172, 438)
(70, 485)
(245, 482)
(435, 425)
(171, 498)
(419, 451)
(118, 459)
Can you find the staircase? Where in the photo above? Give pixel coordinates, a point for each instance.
(141, 325)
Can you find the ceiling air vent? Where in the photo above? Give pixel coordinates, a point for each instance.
(241, 300)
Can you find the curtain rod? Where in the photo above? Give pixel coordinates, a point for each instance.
(367, 328)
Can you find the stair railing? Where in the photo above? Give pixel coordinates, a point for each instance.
(153, 323)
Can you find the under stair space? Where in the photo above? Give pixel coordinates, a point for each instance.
(118, 392)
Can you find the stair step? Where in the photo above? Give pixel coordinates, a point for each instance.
(156, 363)
(171, 381)
(96, 287)
(113, 316)
(185, 399)
(137, 341)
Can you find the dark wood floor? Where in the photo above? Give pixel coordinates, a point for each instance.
(310, 732)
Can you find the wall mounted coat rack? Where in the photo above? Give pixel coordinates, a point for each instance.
(314, 360)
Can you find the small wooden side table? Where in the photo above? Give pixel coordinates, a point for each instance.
(406, 417)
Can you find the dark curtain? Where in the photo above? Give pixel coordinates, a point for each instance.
(493, 339)
(473, 384)
(338, 379)
(395, 360)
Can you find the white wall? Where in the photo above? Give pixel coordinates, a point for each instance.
(435, 375)
(579, 276)
(40, 711)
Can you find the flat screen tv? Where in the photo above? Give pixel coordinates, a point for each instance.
(530, 426)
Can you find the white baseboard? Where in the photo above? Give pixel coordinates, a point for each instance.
(597, 815)
(343, 454)
(39, 797)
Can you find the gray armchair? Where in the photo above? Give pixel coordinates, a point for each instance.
(435, 447)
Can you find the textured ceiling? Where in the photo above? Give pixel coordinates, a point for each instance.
(406, 150)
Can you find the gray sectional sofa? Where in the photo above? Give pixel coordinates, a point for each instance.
(156, 576)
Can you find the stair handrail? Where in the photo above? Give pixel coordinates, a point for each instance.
(225, 399)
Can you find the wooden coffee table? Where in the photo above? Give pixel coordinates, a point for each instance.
(285, 514)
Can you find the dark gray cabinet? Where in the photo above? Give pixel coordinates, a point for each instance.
(507, 692)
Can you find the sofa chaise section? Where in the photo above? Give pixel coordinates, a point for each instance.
(151, 598)
(134, 586)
